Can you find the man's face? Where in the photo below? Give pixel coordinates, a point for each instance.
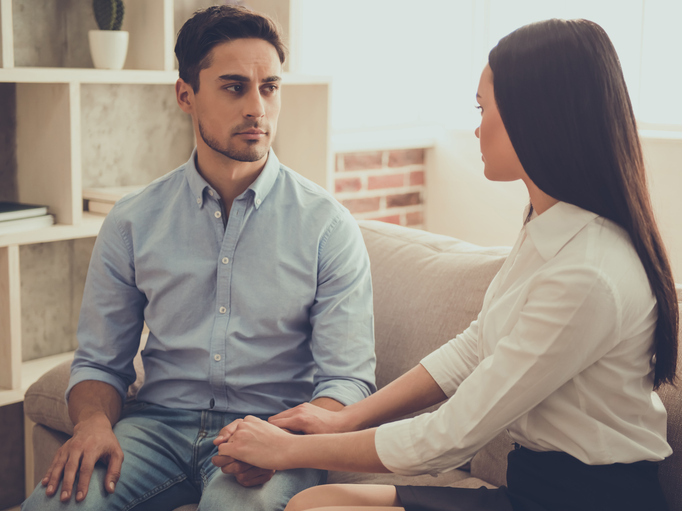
(238, 102)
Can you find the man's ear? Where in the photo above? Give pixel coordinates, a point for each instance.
(184, 94)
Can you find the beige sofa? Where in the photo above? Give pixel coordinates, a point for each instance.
(427, 289)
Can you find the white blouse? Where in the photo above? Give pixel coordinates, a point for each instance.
(560, 356)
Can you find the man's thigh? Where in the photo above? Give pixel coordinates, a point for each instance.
(156, 455)
(224, 493)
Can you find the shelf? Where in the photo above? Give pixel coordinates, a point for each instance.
(125, 76)
(30, 372)
(88, 228)
(85, 75)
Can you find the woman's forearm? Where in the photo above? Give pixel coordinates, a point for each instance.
(261, 444)
(348, 452)
(411, 392)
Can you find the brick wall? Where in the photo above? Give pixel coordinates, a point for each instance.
(382, 185)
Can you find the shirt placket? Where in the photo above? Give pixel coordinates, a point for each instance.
(218, 348)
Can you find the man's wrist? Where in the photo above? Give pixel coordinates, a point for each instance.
(93, 417)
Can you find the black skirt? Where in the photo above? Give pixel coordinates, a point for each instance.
(549, 481)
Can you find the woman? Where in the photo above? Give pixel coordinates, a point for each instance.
(576, 331)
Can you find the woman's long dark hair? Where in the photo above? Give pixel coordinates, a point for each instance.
(562, 97)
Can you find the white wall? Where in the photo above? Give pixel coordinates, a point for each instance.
(462, 203)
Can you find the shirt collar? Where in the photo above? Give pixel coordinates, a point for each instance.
(260, 187)
(551, 230)
(265, 181)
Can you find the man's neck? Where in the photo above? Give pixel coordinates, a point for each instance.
(229, 177)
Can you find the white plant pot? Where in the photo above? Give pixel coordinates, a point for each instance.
(108, 48)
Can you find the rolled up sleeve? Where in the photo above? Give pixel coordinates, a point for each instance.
(111, 317)
(342, 316)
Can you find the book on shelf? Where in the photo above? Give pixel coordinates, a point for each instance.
(18, 210)
(110, 193)
(98, 207)
(101, 200)
(25, 224)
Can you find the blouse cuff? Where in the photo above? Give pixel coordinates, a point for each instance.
(395, 449)
(440, 372)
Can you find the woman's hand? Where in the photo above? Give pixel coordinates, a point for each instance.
(311, 419)
(254, 441)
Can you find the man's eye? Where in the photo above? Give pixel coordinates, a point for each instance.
(479, 108)
(271, 88)
(234, 88)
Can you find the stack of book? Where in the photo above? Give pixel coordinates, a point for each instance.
(101, 200)
(18, 217)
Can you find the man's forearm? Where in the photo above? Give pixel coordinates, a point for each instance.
(91, 398)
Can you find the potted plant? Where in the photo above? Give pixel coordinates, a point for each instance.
(109, 44)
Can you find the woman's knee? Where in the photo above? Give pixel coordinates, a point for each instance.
(307, 499)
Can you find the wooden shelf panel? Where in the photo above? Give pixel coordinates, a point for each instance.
(125, 76)
(89, 227)
(85, 75)
(30, 372)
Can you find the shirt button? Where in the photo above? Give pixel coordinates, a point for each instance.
(210, 192)
(216, 357)
(225, 260)
(198, 200)
(222, 310)
(258, 201)
(217, 214)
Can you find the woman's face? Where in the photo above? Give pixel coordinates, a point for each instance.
(498, 154)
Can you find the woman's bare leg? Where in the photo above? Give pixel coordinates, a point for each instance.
(337, 497)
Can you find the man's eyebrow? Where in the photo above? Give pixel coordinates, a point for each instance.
(234, 78)
(478, 95)
(242, 78)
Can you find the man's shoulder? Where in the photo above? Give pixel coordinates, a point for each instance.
(155, 194)
(308, 193)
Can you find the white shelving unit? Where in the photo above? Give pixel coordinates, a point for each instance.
(49, 150)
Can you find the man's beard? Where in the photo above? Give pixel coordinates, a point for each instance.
(253, 152)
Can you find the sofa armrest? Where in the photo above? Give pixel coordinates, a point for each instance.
(44, 400)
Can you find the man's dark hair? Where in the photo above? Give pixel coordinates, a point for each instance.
(220, 24)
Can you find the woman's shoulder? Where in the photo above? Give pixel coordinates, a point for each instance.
(605, 249)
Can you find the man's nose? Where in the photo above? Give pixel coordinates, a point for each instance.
(254, 106)
(477, 132)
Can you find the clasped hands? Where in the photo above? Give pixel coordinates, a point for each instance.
(252, 449)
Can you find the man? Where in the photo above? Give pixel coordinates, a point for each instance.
(254, 284)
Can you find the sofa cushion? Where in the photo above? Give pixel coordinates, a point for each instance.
(671, 468)
(427, 289)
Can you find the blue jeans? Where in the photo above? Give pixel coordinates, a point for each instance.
(167, 463)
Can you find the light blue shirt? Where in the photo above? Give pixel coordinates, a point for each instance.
(269, 311)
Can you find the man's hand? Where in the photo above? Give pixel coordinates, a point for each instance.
(245, 474)
(93, 440)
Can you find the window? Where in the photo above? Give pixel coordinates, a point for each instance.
(400, 63)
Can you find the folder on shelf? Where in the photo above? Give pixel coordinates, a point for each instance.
(18, 210)
(25, 224)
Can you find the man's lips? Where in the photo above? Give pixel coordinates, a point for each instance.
(252, 131)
